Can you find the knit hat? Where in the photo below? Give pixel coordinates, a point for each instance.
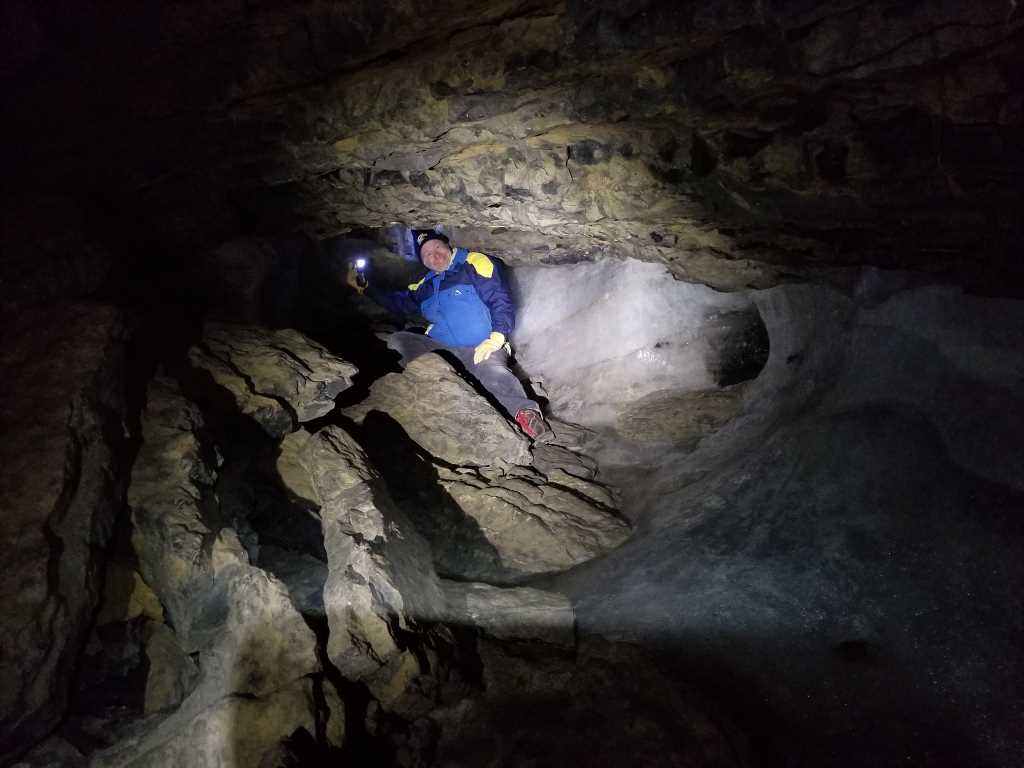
(425, 237)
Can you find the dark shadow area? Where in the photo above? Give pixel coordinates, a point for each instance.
(500, 702)
(899, 564)
(457, 543)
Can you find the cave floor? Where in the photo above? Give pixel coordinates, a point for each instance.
(842, 564)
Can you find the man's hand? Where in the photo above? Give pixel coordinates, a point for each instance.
(488, 347)
(352, 278)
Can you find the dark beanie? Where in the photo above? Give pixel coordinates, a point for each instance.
(424, 237)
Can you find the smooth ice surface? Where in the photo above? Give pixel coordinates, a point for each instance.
(606, 334)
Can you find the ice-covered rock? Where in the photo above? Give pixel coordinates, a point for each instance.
(279, 378)
(444, 415)
(608, 338)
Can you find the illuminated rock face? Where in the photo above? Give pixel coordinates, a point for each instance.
(738, 143)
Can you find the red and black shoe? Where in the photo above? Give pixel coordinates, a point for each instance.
(533, 424)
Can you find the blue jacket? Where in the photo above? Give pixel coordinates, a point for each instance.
(463, 304)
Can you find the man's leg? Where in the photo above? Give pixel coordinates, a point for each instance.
(412, 345)
(494, 375)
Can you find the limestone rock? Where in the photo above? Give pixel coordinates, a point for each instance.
(62, 478)
(278, 378)
(54, 752)
(444, 415)
(519, 613)
(232, 731)
(682, 418)
(126, 596)
(171, 486)
(535, 524)
(254, 649)
(381, 581)
(172, 674)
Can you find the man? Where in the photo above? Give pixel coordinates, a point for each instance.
(471, 314)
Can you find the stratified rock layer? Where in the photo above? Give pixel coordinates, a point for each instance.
(278, 378)
(444, 415)
(535, 523)
(737, 142)
(62, 481)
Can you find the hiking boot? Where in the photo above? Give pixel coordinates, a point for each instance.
(533, 424)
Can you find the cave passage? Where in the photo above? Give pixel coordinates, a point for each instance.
(766, 265)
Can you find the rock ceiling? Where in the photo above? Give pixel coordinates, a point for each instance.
(740, 143)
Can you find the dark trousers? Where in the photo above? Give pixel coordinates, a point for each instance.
(493, 374)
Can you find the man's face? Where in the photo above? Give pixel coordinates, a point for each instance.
(435, 255)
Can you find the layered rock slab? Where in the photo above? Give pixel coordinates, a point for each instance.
(62, 477)
(444, 415)
(535, 523)
(278, 378)
(381, 582)
(254, 650)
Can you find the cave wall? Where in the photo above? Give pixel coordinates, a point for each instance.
(739, 143)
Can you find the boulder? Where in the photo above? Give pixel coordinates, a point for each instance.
(534, 523)
(171, 486)
(518, 613)
(62, 478)
(278, 378)
(443, 414)
(172, 674)
(381, 582)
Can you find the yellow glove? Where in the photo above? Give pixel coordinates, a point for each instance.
(488, 347)
(352, 279)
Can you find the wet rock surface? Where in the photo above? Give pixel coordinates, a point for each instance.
(278, 378)
(62, 478)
